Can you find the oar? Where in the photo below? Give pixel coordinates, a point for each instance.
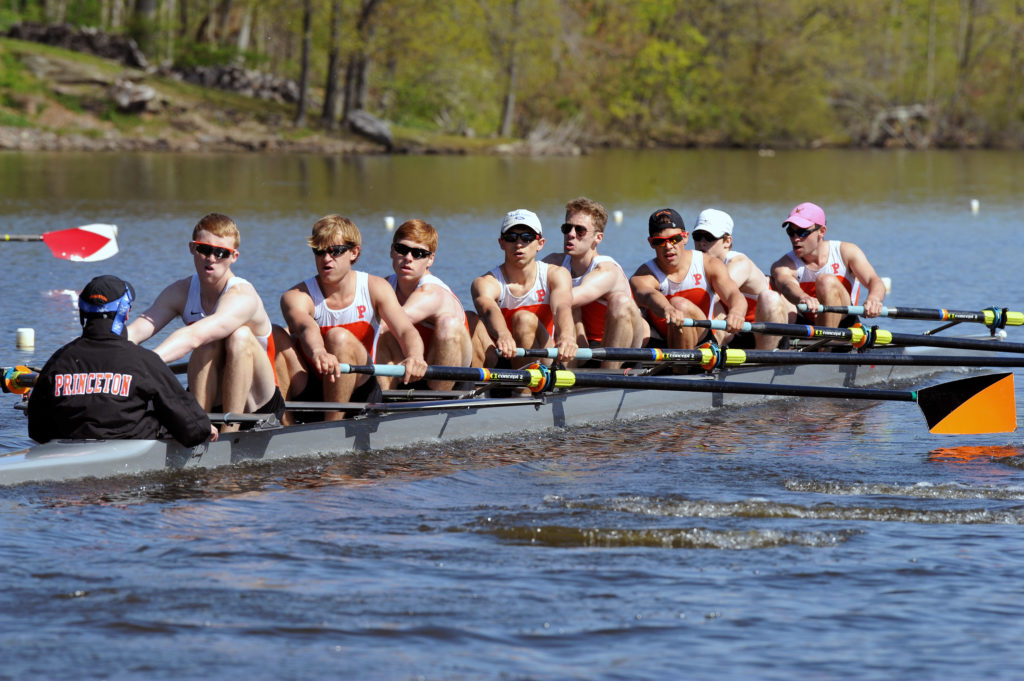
(978, 404)
(18, 380)
(709, 359)
(88, 243)
(993, 317)
(862, 337)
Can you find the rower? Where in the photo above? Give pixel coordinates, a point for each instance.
(333, 318)
(101, 386)
(602, 302)
(712, 234)
(819, 272)
(227, 330)
(428, 302)
(523, 302)
(677, 284)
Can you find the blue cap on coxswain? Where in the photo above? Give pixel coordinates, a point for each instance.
(108, 297)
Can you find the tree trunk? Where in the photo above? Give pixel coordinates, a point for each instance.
(511, 75)
(245, 32)
(183, 19)
(357, 71)
(307, 45)
(144, 25)
(330, 113)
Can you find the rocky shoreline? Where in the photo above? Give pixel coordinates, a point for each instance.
(123, 104)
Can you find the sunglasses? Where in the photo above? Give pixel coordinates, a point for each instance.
(580, 229)
(335, 251)
(701, 235)
(206, 250)
(417, 253)
(797, 233)
(656, 241)
(525, 237)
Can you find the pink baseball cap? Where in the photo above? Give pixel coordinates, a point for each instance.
(806, 215)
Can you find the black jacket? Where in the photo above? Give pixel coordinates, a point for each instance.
(102, 386)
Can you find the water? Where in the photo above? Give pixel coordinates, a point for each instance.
(816, 539)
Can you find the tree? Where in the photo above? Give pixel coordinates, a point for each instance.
(330, 112)
(307, 46)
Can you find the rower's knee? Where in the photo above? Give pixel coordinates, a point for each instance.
(240, 342)
(829, 290)
(687, 307)
(344, 345)
(620, 307)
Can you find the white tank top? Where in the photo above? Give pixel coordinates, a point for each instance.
(835, 265)
(695, 286)
(193, 311)
(359, 317)
(427, 279)
(534, 300)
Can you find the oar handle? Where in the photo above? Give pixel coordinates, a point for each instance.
(849, 309)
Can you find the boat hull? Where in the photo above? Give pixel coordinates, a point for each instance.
(409, 423)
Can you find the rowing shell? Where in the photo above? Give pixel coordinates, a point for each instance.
(400, 424)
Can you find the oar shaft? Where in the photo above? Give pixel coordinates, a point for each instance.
(987, 317)
(731, 357)
(859, 336)
(22, 237)
(559, 378)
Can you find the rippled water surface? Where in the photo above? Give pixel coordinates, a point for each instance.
(801, 539)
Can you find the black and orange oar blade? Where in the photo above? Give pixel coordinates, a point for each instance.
(979, 404)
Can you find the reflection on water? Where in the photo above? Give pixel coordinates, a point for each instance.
(808, 538)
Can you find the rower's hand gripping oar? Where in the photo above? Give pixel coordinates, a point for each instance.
(88, 243)
(860, 337)
(978, 404)
(992, 317)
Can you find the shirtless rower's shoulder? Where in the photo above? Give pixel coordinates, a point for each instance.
(523, 302)
(603, 306)
(820, 272)
(227, 330)
(430, 304)
(333, 319)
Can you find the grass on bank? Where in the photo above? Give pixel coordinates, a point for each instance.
(25, 99)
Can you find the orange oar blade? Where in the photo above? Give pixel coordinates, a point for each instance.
(88, 243)
(979, 404)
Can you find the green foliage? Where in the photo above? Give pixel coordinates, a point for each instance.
(14, 120)
(721, 72)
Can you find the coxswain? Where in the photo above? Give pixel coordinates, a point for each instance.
(821, 272)
(101, 386)
(227, 330)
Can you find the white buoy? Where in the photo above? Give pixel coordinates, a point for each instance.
(26, 339)
(617, 216)
(975, 206)
(389, 223)
(888, 285)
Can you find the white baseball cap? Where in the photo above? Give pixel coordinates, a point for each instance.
(521, 217)
(716, 222)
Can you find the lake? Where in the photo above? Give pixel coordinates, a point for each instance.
(807, 539)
